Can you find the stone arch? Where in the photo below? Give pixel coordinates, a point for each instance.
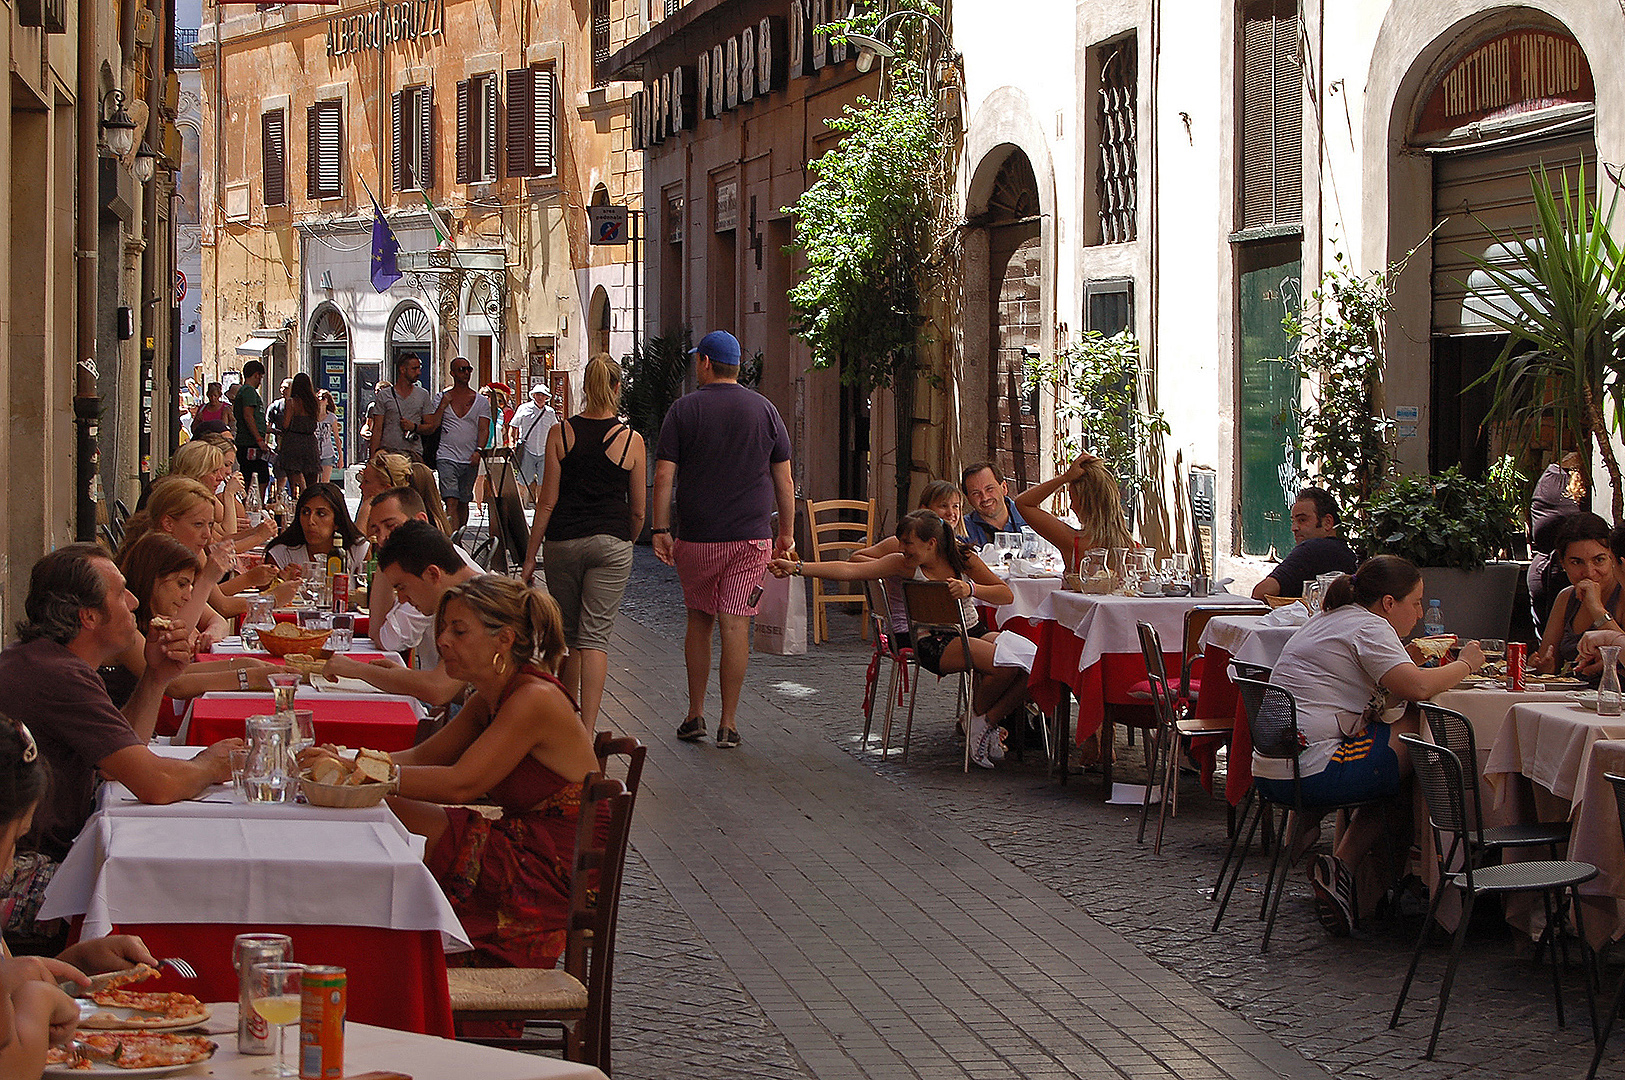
(1396, 210)
(1005, 150)
(600, 321)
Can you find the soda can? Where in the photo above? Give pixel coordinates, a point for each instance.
(253, 1033)
(321, 1023)
(1515, 665)
(341, 592)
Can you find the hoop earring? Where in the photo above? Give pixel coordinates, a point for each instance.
(499, 664)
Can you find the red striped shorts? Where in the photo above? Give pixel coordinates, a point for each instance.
(718, 577)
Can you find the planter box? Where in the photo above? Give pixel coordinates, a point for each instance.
(1477, 604)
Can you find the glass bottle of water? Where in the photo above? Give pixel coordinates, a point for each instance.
(1433, 621)
(1609, 700)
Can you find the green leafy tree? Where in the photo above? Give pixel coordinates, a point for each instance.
(867, 228)
(1099, 406)
(1557, 296)
(1344, 438)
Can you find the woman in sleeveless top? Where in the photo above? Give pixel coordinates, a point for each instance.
(517, 742)
(1592, 600)
(930, 552)
(590, 510)
(213, 417)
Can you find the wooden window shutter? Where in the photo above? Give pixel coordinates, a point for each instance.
(330, 146)
(1272, 117)
(397, 159)
(274, 156)
(465, 152)
(488, 105)
(313, 153)
(425, 140)
(543, 106)
(521, 123)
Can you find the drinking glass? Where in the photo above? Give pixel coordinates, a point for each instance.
(273, 992)
(1495, 649)
(239, 765)
(343, 635)
(1609, 700)
(304, 730)
(1005, 546)
(284, 684)
(1029, 542)
(1182, 566)
(315, 619)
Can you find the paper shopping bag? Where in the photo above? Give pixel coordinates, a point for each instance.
(781, 618)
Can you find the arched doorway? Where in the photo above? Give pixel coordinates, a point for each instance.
(1015, 323)
(330, 366)
(1508, 94)
(598, 322)
(411, 331)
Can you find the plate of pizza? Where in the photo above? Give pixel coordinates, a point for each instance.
(110, 1005)
(132, 1054)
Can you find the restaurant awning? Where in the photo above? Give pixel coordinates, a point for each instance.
(256, 346)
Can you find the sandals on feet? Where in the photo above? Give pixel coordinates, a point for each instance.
(693, 728)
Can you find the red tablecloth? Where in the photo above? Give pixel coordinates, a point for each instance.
(363, 623)
(1220, 700)
(396, 978)
(382, 724)
(1097, 686)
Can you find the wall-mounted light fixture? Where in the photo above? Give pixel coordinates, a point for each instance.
(118, 130)
(145, 165)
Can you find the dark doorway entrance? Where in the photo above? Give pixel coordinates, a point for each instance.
(1016, 268)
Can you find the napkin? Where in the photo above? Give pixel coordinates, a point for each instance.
(1287, 615)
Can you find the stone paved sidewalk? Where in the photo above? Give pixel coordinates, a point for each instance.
(800, 908)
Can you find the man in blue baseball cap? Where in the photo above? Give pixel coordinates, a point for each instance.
(730, 448)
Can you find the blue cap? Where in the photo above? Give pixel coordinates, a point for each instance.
(719, 346)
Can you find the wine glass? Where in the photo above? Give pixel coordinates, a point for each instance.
(284, 684)
(273, 992)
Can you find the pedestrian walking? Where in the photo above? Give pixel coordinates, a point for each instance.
(725, 449)
(298, 454)
(397, 412)
(528, 431)
(590, 509)
(329, 437)
(463, 419)
(248, 415)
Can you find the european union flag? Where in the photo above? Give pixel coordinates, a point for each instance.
(386, 269)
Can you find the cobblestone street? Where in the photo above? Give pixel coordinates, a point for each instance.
(801, 908)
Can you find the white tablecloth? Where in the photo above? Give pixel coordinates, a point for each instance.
(1550, 743)
(1248, 638)
(1108, 624)
(368, 1048)
(231, 862)
(1032, 598)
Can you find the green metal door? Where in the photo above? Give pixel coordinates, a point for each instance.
(1270, 289)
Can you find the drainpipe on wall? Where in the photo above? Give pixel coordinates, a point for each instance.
(86, 404)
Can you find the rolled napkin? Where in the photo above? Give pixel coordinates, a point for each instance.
(1287, 615)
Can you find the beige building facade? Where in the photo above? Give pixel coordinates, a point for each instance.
(482, 134)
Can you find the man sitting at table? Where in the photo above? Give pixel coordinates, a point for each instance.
(995, 511)
(1319, 549)
(79, 616)
(402, 626)
(421, 565)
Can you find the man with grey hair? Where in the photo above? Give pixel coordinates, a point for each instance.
(81, 617)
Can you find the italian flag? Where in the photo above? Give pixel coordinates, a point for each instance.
(442, 232)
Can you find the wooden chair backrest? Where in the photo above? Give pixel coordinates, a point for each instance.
(595, 896)
(839, 536)
(931, 606)
(1196, 620)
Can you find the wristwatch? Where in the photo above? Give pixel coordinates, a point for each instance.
(242, 678)
(657, 532)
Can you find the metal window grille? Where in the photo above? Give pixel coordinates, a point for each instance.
(1117, 171)
(1271, 116)
(600, 41)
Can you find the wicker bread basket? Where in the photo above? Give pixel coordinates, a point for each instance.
(284, 644)
(345, 796)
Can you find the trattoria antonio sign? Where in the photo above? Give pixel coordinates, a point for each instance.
(1514, 72)
(757, 61)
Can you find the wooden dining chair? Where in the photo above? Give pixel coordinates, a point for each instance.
(576, 995)
(1196, 620)
(835, 529)
(1440, 774)
(932, 609)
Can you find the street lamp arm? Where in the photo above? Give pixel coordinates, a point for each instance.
(873, 45)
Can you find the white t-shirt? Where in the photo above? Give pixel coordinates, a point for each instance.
(1333, 665)
(459, 435)
(533, 424)
(281, 554)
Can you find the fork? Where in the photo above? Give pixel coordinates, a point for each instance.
(181, 967)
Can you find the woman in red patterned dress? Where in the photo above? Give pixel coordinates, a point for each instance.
(517, 742)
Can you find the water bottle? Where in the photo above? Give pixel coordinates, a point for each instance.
(1433, 621)
(253, 505)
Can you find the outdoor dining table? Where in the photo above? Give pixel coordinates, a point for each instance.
(348, 886)
(368, 1048)
(1545, 766)
(363, 622)
(1251, 639)
(352, 718)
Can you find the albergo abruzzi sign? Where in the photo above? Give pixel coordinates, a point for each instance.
(406, 20)
(753, 63)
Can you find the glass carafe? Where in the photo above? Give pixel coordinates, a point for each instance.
(1608, 695)
(260, 617)
(268, 775)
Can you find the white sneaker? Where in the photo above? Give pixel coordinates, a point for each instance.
(995, 743)
(978, 741)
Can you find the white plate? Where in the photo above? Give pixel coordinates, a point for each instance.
(88, 1009)
(103, 1069)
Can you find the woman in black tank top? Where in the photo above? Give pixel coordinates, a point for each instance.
(591, 509)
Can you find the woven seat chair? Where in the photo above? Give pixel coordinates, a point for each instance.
(575, 995)
(1439, 773)
(1272, 719)
(887, 651)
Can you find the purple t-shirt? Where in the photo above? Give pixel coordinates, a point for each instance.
(725, 439)
(65, 705)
